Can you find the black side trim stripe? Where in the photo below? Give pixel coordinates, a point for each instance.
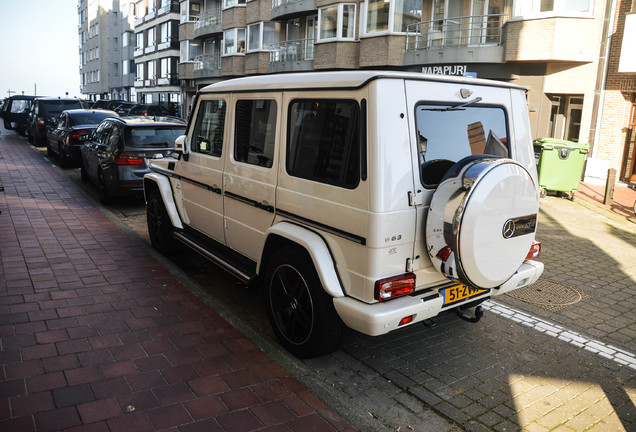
(249, 201)
(335, 231)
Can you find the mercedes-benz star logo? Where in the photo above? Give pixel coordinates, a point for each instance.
(508, 229)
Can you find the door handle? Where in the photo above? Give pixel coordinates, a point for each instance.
(264, 205)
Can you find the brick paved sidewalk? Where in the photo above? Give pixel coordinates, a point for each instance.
(95, 335)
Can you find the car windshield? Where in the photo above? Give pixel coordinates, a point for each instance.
(153, 136)
(20, 105)
(89, 118)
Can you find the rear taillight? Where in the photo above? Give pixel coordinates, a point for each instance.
(124, 159)
(144, 113)
(396, 286)
(80, 135)
(40, 121)
(535, 250)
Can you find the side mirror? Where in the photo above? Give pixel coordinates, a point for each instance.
(180, 144)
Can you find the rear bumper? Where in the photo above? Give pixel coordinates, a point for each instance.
(380, 318)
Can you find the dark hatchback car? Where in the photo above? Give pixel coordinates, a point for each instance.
(114, 158)
(124, 108)
(73, 129)
(43, 115)
(15, 112)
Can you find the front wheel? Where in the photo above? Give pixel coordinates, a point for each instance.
(159, 225)
(104, 195)
(301, 313)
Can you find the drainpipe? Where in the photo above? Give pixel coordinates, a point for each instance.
(601, 76)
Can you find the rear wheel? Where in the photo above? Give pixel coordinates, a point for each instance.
(83, 171)
(104, 195)
(159, 225)
(301, 313)
(63, 158)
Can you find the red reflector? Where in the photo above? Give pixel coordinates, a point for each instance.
(396, 286)
(535, 250)
(444, 253)
(124, 159)
(406, 320)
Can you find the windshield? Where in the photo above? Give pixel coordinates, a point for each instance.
(153, 136)
(451, 132)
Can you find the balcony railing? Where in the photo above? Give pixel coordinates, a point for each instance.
(208, 18)
(276, 3)
(207, 62)
(468, 31)
(292, 50)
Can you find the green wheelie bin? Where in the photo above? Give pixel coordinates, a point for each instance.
(560, 165)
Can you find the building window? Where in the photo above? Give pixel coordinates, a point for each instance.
(151, 36)
(261, 35)
(125, 65)
(140, 71)
(190, 10)
(165, 67)
(530, 8)
(140, 41)
(232, 3)
(234, 41)
(189, 50)
(337, 22)
(396, 15)
(165, 32)
(151, 72)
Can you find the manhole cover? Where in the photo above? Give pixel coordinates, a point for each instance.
(548, 294)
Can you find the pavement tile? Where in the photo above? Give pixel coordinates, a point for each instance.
(272, 413)
(39, 351)
(18, 424)
(58, 419)
(208, 425)
(169, 416)
(146, 380)
(121, 368)
(242, 420)
(23, 369)
(138, 401)
(98, 410)
(239, 399)
(110, 388)
(73, 395)
(136, 421)
(206, 407)
(174, 393)
(83, 375)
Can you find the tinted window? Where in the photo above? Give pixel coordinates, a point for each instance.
(56, 107)
(255, 132)
(448, 133)
(153, 136)
(20, 105)
(323, 142)
(89, 118)
(207, 137)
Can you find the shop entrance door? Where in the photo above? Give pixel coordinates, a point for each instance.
(629, 171)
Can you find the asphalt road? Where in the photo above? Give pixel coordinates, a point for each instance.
(558, 355)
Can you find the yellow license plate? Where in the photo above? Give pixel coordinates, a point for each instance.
(459, 293)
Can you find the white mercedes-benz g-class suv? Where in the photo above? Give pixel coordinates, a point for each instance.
(373, 200)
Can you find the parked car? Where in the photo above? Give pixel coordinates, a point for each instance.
(73, 129)
(149, 110)
(115, 156)
(15, 112)
(373, 200)
(123, 109)
(43, 115)
(107, 104)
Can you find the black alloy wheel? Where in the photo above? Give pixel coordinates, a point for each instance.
(104, 195)
(159, 225)
(301, 312)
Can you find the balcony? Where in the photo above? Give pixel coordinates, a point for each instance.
(151, 14)
(172, 42)
(168, 80)
(209, 22)
(139, 82)
(172, 7)
(207, 65)
(472, 39)
(292, 55)
(139, 21)
(287, 8)
(138, 52)
(150, 49)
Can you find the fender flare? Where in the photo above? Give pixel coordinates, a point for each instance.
(317, 250)
(163, 184)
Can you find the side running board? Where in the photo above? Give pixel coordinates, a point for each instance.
(215, 258)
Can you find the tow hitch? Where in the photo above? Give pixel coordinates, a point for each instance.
(466, 316)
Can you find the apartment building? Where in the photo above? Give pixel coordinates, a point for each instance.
(156, 53)
(105, 33)
(552, 47)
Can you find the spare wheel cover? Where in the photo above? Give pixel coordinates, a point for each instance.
(484, 214)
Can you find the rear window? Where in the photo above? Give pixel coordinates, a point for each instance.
(153, 137)
(448, 133)
(89, 118)
(56, 107)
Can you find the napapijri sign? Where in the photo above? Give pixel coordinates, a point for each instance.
(445, 70)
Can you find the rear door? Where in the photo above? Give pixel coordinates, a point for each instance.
(251, 171)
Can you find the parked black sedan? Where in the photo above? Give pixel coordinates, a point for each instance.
(115, 156)
(73, 129)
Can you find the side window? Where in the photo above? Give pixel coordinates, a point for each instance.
(207, 137)
(255, 132)
(323, 142)
(113, 139)
(102, 135)
(61, 123)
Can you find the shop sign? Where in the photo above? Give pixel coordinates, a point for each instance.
(458, 70)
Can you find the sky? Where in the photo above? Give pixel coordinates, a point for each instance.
(39, 47)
